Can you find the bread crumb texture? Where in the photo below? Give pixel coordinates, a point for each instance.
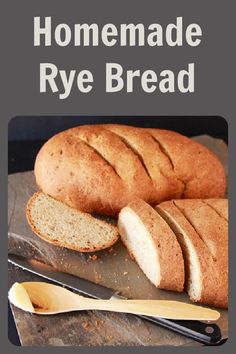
(61, 225)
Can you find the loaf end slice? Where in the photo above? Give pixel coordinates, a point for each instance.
(202, 235)
(64, 226)
(153, 244)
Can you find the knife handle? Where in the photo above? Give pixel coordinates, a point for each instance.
(205, 333)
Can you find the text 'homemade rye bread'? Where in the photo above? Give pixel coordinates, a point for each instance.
(153, 244)
(201, 227)
(63, 226)
(104, 167)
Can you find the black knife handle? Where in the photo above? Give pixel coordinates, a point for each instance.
(206, 333)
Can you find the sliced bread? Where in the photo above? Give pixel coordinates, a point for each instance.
(64, 226)
(203, 236)
(153, 244)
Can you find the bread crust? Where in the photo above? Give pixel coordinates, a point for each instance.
(219, 205)
(208, 233)
(102, 168)
(65, 244)
(195, 165)
(158, 166)
(165, 243)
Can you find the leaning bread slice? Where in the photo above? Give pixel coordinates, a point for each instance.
(203, 236)
(64, 226)
(153, 244)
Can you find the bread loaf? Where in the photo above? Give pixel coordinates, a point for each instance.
(201, 228)
(104, 167)
(153, 244)
(63, 226)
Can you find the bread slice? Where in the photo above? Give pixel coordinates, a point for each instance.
(153, 244)
(203, 236)
(64, 226)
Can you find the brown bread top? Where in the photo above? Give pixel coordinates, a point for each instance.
(102, 168)
(207, 231)
(220, 206)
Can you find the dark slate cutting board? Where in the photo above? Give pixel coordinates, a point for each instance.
(112, 268)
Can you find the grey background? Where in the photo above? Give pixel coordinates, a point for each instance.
(29, 128)
(215, 88)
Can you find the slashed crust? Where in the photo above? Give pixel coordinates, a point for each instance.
(104, 167)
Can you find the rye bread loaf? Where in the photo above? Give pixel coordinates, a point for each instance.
(201, 228)
(104, 167)
(152, 243)
(63, 226)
